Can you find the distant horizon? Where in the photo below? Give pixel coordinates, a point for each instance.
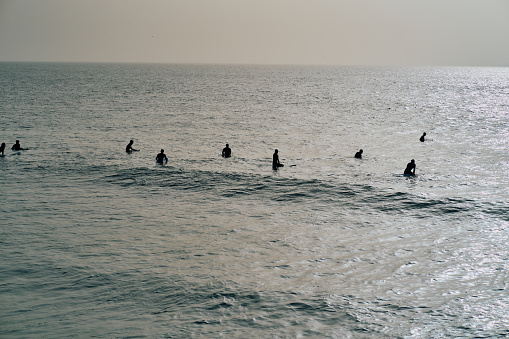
(245, 64)
(457, 33)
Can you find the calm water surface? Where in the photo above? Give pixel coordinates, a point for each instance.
(99, 243)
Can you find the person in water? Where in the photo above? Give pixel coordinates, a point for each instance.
(129, 148)
(410, 168)
(275, 160)
(227, 152)
(2, 148)
(358, 155)
(422, 137)
(17, 146)
(161, 157)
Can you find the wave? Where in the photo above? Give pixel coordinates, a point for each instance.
(321, 193)
(328, 193)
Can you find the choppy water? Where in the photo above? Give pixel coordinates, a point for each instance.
(99, 243)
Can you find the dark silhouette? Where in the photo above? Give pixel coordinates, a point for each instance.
(358, 155)
(422, 137)
(2, 148)
(17, 147)
(161, 157)
(227, 152)
(275, 160)
(410, 168)
(129, 148)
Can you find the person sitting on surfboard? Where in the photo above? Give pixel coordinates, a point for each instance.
(227, 152)
(275, 160)
(410, 168)
(422, 137)
(161, 157)
(129, 148)
(2, 148)
(358, 155)
(17, 146)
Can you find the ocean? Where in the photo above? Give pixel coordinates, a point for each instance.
(99, 243)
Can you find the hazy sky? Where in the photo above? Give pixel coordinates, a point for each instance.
(426, 32)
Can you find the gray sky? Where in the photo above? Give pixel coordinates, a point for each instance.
(346, 32)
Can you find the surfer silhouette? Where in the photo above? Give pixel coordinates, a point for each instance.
(358, 155)
(227, 152)
(129, 148)
(17, 146)
(161, 157)
(2, 148)
(422, 137)
(410, 168)
(275, 160)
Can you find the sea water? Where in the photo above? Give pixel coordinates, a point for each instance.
(97, 242)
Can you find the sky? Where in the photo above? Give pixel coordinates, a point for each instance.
(332, 32)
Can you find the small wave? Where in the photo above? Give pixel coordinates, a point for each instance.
(300, 191)
(325, 193)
